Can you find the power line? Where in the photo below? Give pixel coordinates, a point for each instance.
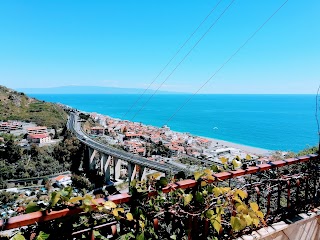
(212, 25)
(228, 60)
(317, 117)
(173, 57)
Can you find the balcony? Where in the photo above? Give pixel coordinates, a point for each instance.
(286, 191)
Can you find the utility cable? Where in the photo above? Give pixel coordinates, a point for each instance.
(193, 47)
(317, 117)
(228, 60)
(173, 57)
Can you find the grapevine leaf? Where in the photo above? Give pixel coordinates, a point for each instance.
(203, 183)
(187, 199)
(226, 189)
(248, 219)
(256, 221)
(217, 192)
(236, 224)
(18, 236)
(219, 210)
(236, 163)
(141, 236)
(75, 199)
(224, 160)
(209, 213)
(55, 197)
(242, 194)
(254, 206)
(198, 175)
(260, 214)
(129, 216)
(42, 236)
(199, 197)
(242, 208)
(115, 212)
(32, 207)
(214, 168)
(163, 181)
(217, 226)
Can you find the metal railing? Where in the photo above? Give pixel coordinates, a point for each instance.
(281, 188)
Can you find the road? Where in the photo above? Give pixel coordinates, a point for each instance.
(74, 126)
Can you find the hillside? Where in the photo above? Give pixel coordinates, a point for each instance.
(17, 106)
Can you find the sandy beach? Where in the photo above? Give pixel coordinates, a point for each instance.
(245, 148)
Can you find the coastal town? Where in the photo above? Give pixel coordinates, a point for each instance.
(136, 138)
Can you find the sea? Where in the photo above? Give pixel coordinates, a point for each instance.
(273, 122)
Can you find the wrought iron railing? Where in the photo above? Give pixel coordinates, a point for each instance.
(281, 188)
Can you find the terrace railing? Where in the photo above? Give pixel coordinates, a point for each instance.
(281, 188)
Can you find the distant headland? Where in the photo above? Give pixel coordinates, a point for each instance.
(90, 90)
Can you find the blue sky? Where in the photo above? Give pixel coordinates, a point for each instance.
(126, 44)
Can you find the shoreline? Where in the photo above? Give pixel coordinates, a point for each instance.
(245, 148)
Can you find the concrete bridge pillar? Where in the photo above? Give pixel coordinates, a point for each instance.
(116, 168)
(142, 173)
(92, 160)
(105, 166)
(132, 171)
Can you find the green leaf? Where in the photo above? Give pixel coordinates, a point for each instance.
(254, 206)
(248, 219)
(115, 212)
(225, 189)
(242, 194)
(75, 199)
(242, 208)
(260, 214)
(236, 224)
(97, 235)
(133, 183)
(198, 175)
(203, 183)
(217, 226)
(217, 191)
(199, 197)
(129, 216)
(219, 210)
(236, 163)
(32, 207)
(163, 182)
(216, 222)
(55, 197)
(42, 236)
(224, 160)
(67, 192)
(141, 236)
(120, 210)
(209, 213)
(109, 205)
(256, 222)
(214, 168)
(187, 199)
(18, 236)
